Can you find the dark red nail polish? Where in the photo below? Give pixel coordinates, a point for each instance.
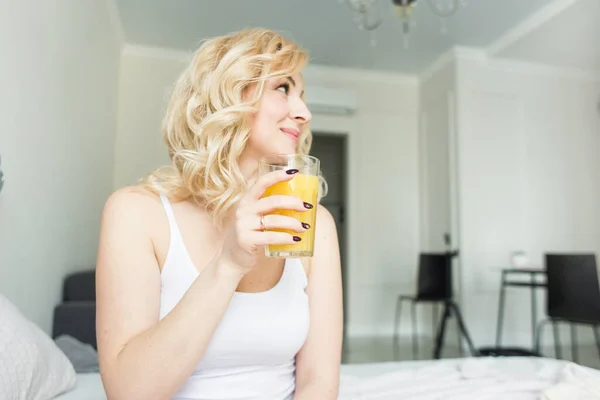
(305, 225)
(297, 238)
(291, 171)
(308, 205)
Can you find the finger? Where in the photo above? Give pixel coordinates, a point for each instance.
(280, 202)
(270, 237)
(275, 221)
(269, 179)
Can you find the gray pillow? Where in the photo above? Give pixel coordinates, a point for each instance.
(31, 365)
(83, 356)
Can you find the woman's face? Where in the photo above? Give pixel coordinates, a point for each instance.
(281, 116)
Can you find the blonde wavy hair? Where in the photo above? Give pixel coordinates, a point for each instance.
(206, 126)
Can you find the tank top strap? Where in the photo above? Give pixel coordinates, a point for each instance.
(175, 233)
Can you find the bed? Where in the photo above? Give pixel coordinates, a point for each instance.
(482, 378)
(514, 378)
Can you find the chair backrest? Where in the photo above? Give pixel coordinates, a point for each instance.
(573, 289)
(434, 277)
(80, 286)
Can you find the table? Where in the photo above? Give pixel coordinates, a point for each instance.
(533, 284)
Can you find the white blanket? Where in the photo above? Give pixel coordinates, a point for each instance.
(517, 378)
(575, 383)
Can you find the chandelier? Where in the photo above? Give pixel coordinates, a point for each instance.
(368, 16)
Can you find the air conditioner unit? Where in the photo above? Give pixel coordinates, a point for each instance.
(321, 100)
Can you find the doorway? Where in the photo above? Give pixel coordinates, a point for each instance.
(332, 150)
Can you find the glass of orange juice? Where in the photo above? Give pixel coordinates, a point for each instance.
(305, 185)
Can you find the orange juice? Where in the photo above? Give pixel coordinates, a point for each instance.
(306, 187)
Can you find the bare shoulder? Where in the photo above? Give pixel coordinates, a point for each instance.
(325, 223)
(127, 231)
(131, 214)
(131, 204)
(130, 198)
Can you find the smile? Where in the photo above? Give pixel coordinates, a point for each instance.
(293, 133)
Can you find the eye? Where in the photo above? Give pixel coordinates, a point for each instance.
(284, 87)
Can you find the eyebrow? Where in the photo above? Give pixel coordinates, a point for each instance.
(293, 82)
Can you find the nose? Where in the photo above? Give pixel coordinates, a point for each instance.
(299, 111)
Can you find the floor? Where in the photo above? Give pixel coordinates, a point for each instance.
(382, 349)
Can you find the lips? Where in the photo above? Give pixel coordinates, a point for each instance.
(293, 133)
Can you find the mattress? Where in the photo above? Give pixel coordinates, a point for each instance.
(514, 378)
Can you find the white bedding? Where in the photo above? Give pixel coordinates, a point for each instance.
(518, 378)
(88, 387)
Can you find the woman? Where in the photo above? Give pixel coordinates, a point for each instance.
(188, 305)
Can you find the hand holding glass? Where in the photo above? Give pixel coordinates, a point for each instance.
(304, 185)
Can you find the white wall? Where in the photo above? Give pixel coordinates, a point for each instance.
(58, 110)
(529, 179)
(383, 222)
(144, 87)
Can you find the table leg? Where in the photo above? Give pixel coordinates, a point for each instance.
(500, 311)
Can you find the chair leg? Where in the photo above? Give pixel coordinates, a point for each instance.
(441, 331)
(414, 331)
(463, 329)
(597, 336)
(573, 344)
(434, 317)
(395, 340)
(538, 335)
(458, 334)
(556, 341)
(397, 319)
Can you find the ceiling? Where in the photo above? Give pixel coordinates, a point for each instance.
(570, 39)
(326, 28)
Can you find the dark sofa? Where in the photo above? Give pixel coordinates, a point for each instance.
(76, 314)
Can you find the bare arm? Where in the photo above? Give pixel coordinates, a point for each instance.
(140, 357)
(318, 362)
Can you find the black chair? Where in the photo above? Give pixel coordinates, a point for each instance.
(573, 297)
(76, 314)
(434, 285)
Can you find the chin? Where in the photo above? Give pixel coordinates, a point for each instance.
(283, 150)
(277, 145)
(288, 151)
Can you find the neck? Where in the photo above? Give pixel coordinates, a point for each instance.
(249, 168)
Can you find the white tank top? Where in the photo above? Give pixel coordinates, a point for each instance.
(252, 352)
